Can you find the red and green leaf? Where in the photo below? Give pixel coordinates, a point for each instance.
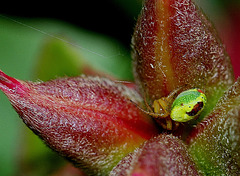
(90, 121)
(175, 45)
(162, 155)
(215, 142)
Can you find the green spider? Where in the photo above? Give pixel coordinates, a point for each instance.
(177, 108)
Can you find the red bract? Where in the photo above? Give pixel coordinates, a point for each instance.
(153, 159)
(95, 122)
(175, 45)
(90, 121)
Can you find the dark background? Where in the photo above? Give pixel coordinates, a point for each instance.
(105, 16)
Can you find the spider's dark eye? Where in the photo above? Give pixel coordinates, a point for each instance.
(195, 109)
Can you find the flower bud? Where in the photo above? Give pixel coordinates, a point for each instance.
(175, 45)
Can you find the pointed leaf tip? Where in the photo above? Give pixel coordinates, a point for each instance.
(9, 84)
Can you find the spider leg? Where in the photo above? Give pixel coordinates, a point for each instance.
(177, 124)
(165, 103)
(175, 92)
(157, 115)
(153, 114)
(161, 105)
(163, 125)
(169, 124)
(147, 105)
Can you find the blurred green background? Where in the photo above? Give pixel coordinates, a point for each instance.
(43, 41)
